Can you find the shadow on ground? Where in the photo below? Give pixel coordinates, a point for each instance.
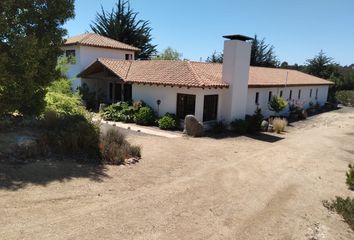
(264, 137)
(17, 176)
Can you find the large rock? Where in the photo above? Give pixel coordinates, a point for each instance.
(192, 127)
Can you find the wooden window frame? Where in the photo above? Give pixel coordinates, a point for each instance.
(210, 112)
(182, 108)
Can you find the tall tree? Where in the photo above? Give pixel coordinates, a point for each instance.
(31, 35)
(321, 66)
(122, 25)
(262, 54)
(169, 54)
(215, 58)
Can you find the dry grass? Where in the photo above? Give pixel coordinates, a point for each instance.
(279, 125)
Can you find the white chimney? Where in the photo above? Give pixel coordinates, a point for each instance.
(235, 71)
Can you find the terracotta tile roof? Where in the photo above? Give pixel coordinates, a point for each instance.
(198, 74)
(267, 77)
(96, 40)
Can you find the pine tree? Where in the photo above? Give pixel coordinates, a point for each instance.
(122, 25)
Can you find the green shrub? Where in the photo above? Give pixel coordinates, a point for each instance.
(64, 104)
(350, 177)
(61, 86)
(218, 127)
(279, 124)
(345, 97)
(344, 207)
(71, 134)
(120, 112)
(168, 121)
(91, 98)
(254, 122)
(239, 126)
(115, 149)
(145, 116)
(277, 104)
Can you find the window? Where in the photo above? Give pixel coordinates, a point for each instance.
(127, 92)
(290, 94)
(310, 92)
(256, 101)
(270, 96)
(316, 93)
(185, 105)
(281, 93)
(71, 56)
(128, 56)
(299, 94)
(210, 107)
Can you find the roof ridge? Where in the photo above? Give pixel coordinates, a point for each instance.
(130, 65)
(196, 76)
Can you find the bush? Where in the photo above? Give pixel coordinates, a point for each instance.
(168, 121)
(218, 127)
(71, 134)
(345, 97)
(279, 124)
(277, 104)
(145, 116)
(122, 111)
(350, 177)
(114, 148)
(61, 86)
(89, 97)
(344, 207)
(254, 122)
(239, 126)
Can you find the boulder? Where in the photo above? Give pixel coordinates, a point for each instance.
(192, 127)
(264, 125)
(26, 146)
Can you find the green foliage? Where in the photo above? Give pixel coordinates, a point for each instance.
(277, 104)
(239, 126)
(59, 99)
(168, 121)
(114, 148)
(145, 116)
(218, 127)
(89, 97)
(215, 58)
(321, 66)
(254, 122)
(345, 97)
(61, 85)
(31, 35)
(71, 134)
(169, 54)
(350, 177)
(344, 207)
(119, 112)
(262, 54)
(121, 24)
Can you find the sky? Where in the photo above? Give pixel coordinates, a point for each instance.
(298, 29)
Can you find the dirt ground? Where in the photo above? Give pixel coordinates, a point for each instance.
(262, 187)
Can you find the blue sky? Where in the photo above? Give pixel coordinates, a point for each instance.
(297, 29)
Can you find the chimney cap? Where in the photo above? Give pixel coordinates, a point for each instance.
(238, 37)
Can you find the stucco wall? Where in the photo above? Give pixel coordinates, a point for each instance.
(87, 55)
(168, 97)
(305, 97)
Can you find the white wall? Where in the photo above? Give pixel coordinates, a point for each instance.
(168, 96)
(87, 55)
(305, 97)
(235, 72)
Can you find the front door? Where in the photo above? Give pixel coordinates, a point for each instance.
(185, 105)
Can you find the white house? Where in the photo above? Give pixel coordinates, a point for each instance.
(209, 91)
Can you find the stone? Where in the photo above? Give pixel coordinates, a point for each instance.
(192, 127)
(26, 146)
(264, 125)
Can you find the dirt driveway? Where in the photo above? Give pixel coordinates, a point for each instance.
(232, 188)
